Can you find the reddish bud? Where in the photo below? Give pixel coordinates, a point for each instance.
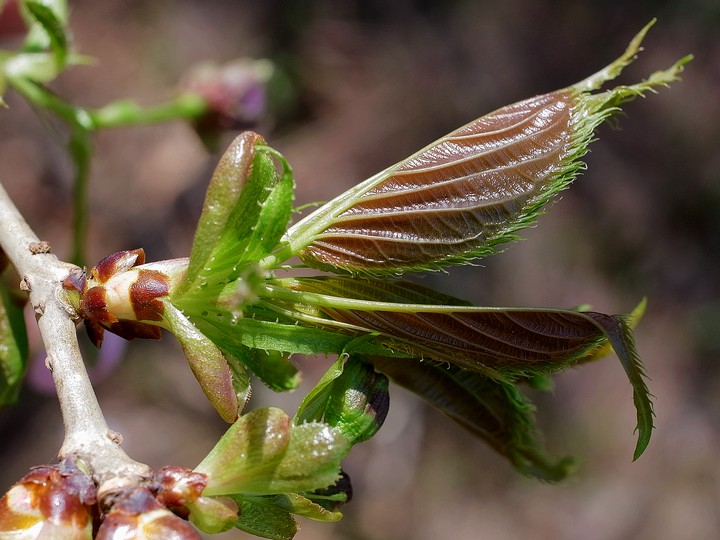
(116, 263)
(138, 514)
(144, 294)
(178, 487)
(76, 281)
(49, 502)
(121, 291)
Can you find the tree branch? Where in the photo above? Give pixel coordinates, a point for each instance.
(87, 435)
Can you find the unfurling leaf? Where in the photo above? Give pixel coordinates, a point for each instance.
(270, 365)
(246, 212)
(351, 396)
(208, 365)
(500, 343)
(468, 192)
(228, 188)
(494, 411)
(270, 516)
(263, 453)
(265, 520)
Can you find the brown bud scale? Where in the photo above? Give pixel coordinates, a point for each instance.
(144, 294)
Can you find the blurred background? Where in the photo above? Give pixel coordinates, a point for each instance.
(360, 85)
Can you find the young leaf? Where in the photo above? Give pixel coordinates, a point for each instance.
(500, 343)
(494, 411)
(228, 188)
(263, 454)
(246, 212)
(463, 195)
(298, 505)
(270, 516)
(268, 364)
(351, 397)
(264, 520)
(425, 323)
(207, 363)
(619, 334)
(250, 337)
(275, 213)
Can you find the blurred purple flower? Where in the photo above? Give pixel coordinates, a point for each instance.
(235, 93)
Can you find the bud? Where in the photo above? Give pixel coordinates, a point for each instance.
(49, 502)
(263, 453)
(213, 514)
(351, 397)
(180, 491)
(138, 514)
(121, 291)
(178, 487)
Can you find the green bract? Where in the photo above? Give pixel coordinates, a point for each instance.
(264, 453)
(272, 469)
(351, 397)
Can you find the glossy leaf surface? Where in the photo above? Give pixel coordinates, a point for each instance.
(468, 192)
(501, 343)
(351, 396)
(459, 197)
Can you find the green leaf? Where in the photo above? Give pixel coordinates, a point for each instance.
(13, 346)
(246, 212)
(265, 520)
(207, 363)
(240, 380)
(619, 333)
(270, 516)
(274, 215)
(263, 453)
(260, 344)
(48, 21)
(298, 505)
(351, 397)
(269, 364)
(273, 368)
(494, 411)
(471, 191)
(232, 187)
(243, 236)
